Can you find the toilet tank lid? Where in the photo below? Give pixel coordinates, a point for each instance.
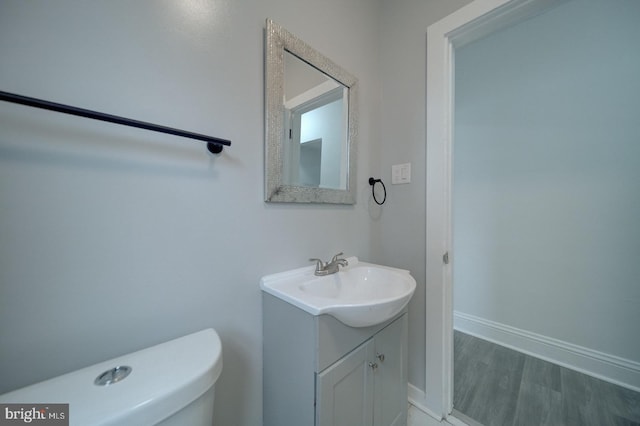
(164, 379)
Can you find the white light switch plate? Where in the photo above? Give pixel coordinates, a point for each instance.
(400, 173)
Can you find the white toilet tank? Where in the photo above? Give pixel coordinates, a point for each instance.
(168, 384)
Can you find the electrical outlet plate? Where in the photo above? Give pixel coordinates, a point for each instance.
(400, 173)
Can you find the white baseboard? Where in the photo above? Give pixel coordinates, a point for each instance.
(603, 366)
(418, 399)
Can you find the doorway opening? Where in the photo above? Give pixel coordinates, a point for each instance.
(446, 40)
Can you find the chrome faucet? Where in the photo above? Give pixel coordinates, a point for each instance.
(327, 268)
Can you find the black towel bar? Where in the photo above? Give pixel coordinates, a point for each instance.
(214, 145)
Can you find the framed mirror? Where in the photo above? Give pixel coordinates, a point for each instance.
(310, 124)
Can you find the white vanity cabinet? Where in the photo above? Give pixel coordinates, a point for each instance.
(318, 371)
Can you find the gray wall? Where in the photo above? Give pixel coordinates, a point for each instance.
(546, 176)
(113, 239)
(399, 239)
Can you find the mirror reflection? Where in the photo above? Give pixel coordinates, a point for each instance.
(315, 137)
(310, 123)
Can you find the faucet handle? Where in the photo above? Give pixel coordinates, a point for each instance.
(319, 263)
(336, 256)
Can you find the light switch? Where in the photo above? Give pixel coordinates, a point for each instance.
(401, 173)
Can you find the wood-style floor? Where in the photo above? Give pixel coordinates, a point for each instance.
(494, 385)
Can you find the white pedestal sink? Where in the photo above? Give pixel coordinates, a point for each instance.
(359, 295)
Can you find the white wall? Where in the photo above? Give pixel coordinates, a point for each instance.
(113, 239)
(547, 174)
(327, 124)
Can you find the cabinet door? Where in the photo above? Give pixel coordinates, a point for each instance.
(344, 391)
(390, 386)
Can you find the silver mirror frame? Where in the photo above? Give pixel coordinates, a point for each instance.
(279, 40)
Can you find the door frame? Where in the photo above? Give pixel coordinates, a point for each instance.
(472, 22)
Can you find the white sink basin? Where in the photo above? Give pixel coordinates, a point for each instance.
(360, 295)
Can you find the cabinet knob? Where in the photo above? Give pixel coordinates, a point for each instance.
(380, 357)
(373, 365)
